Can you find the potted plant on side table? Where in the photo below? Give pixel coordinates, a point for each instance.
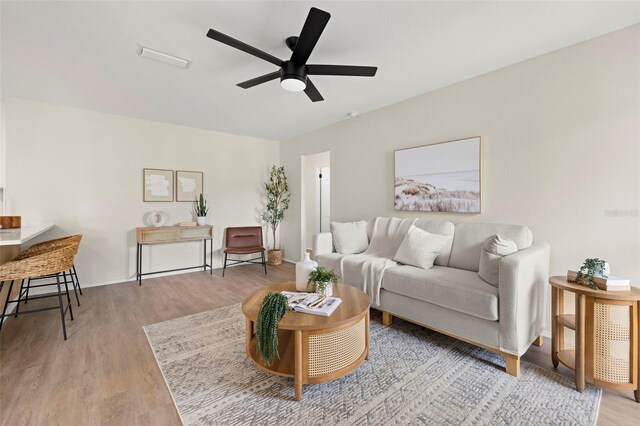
(323, 281)
(592, 267)
(278, 197)
(201, 211)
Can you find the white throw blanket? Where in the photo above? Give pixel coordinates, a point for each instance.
(365, 270)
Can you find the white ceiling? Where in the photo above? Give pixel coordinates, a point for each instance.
(84, 54)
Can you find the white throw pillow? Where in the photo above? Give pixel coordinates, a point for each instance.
(420, 248)
(350, 237)
(493, 250)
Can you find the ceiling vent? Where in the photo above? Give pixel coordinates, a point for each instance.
(164, 57)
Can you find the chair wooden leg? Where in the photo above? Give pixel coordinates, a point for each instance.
(539, 341)
(387, 318)
(513, 364)
(224, 268)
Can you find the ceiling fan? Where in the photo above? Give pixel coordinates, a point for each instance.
(294, 72)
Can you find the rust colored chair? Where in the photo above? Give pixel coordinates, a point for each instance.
(244, 240)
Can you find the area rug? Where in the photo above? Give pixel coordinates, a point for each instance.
(413, 376)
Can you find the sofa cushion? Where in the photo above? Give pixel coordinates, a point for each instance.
(331, 261)
(420, 248)
(494, 249)
(441, 227)
(350, 237)
(455, 289)
(469, 238)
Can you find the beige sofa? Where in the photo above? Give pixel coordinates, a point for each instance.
(452, 299)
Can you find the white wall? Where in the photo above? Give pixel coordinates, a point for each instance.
(309, 194)
(561, 151)
(83, 171)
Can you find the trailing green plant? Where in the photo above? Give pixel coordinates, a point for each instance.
(590, 268)
(321, 276)
(278, 197)
(201, 207)
(273, 307)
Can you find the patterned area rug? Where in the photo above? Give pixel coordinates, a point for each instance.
(413, 376)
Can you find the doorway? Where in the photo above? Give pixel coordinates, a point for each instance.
(316, 196)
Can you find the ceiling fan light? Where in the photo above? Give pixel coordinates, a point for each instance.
(293, 84)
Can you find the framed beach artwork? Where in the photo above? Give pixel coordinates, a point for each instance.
(157, 185)
(188, 185)
(442, 177)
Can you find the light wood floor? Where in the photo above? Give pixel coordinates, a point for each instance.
(106, 374)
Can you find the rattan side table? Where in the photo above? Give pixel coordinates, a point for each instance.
(606, 325)
(314, 349)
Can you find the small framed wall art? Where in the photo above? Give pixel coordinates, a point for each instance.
(188, 185)
(442, 177)
(157, 185)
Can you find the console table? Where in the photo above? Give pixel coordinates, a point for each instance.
(606, 327)
(173, 234)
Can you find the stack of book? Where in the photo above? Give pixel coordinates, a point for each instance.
(608, 284)
(187, 224)
(312, 303)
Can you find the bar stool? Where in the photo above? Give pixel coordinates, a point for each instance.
(53, 263)
(45, 247)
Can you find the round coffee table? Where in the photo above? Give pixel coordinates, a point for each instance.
(313, 348)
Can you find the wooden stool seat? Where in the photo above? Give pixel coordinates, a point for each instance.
(52, 263)
(45, 247)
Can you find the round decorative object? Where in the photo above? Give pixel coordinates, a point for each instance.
(274, 257)
(325, 289)
(303, 268)
(202, 220)
(157, 219)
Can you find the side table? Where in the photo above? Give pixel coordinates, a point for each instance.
(606, 329)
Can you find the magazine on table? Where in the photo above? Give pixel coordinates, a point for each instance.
(312, 303)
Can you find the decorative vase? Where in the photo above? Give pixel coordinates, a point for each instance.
(603, 273)
(303, 269)
(274, 257)
(202, 220)
(157, 219)
(606, 271)
(325, 289)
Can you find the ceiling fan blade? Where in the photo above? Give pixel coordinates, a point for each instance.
(351, 70)
(259, 80)
(230, 41)
(312, 92)
(311, 32)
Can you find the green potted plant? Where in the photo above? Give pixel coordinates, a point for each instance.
(278, 197)
(322, 280)
(592, 267)
(273, 307)
(201, 210)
